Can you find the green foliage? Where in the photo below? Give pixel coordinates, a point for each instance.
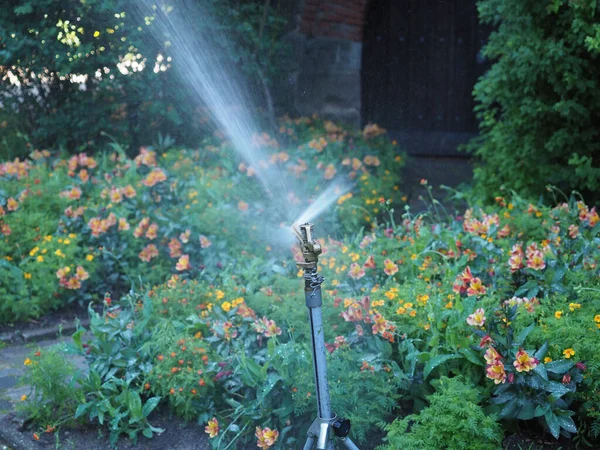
(50, 52)
(55, 391)
(539, 104)
(454, 420)
(124, 222)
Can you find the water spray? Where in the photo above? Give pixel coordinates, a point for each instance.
(327, 425)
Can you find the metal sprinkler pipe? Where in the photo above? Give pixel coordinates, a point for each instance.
(327, 425)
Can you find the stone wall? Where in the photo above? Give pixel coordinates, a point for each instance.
(323, 73)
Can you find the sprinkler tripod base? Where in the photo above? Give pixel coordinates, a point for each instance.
(320, 432)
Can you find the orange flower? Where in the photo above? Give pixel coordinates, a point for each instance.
(476, 287)
(212, 428)
(12, 204)
(491, 355)
(242, 206)
(183, 263)
(149, 252)
(115, 195)
(389, 267)
(128, 191)
(152, 231)
(536, 260)
(329, 172)
(356, 272)
(369, 263)
(266, 437)
(495, 371)
(154, 177)
(204, 241)
(477, 319)
(123, 224)
(84, 176)
(185, 236)
(174, 248)
(81, 274)
(524, 362)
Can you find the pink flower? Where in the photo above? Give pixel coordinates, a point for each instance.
(495, 371)
(389, 267)
(477, 319)
(536, 260)
(524, 362)
(356, 272)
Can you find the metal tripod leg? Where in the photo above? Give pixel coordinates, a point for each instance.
(349, 444)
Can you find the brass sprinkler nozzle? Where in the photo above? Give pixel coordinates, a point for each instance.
(309, 246)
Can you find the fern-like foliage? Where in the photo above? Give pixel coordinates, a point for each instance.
(454, 420)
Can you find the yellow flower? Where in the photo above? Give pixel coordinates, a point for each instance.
(574, 306)
(547, 359)
(28, 362)
(59, 253)
(40, 258)
(66, 242)
(220, 294)
(300, 273)
(335, 282)
(27, 275)
(23, 397)
(449, 305)
(413, 256)
(568, 353)
(44, 251)
(33, 251)
(558, 314)
(226, 306)
(597, 318)
(90, 257)
(47, 238)
(72, 235)
(401, 310)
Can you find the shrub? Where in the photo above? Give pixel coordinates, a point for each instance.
(453, 420)
(49, 51)
(129, 221)
(539, 103)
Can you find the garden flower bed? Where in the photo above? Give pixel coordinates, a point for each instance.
(492, 314)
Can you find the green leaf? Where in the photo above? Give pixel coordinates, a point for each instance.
(567, 423)
(557, 389)
(135, 404)
(436, 361)
(77, 339)
(553, 424)
(520, 339)
(527, 413)
(471, 356)
(540, 369)
(81, 409)
(149, 406)
(559, 367)
(509, 410)
(27, 8)
(541, 352)
(540, 410)
(148, 433)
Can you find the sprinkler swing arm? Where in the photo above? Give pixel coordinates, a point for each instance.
(327, 425)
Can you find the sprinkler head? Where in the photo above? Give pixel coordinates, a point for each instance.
(309, 246)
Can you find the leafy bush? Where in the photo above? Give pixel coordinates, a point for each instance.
(49, 52)
(119, 221)
(453, 420)
(539, 104)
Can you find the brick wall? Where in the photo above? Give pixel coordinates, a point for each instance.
(343, 19)
(324, 68)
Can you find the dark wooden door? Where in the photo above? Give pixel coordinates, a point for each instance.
(421, 59)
